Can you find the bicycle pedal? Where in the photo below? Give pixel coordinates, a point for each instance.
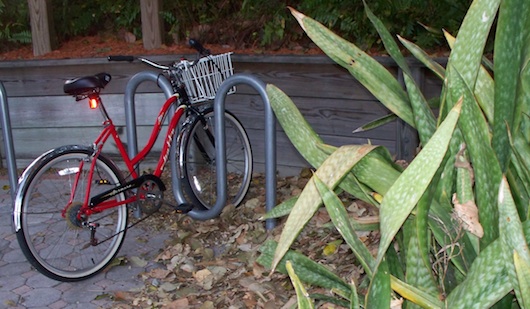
(183, 208)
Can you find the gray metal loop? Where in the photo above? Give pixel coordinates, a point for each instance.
(270, 146)
(8, 143)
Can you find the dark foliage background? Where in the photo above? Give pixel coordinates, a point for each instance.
(241, 23)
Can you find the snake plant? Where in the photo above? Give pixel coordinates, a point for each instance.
(466, 193)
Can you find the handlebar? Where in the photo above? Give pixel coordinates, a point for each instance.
(193, 43)
(144, 60)
(198, 46)
(121, 58)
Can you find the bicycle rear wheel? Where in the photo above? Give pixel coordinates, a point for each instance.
(198, 161)
(51, 237)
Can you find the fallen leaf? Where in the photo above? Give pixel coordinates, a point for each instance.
(158, 273)
(168, 287)
(467, 213)
(181, 303)
(396, 303)
(137, 261)
(207, 305)
(331, 247)
(204, 278)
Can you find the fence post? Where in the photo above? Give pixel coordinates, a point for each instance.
(151, 23)
(42, 30)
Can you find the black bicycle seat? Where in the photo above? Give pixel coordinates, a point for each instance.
(87, 84)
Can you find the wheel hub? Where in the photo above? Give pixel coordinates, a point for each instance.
(72, 218)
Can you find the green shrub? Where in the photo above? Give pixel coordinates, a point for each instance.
(453, 224)
(242, 23)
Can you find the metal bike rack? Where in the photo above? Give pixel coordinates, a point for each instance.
(8, 143)
(130, 117)
(270, 142)
(219, 109)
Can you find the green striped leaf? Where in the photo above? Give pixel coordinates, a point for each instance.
(299, 132)
(418, 265)
(376, 123)
(411, 185)
(484, 86)
(523, 93)
(511, 235)
(354, 296)
(332, 171)
(379, 291)
(340, 219)
(508, 55)
(486, 282)
(475, 131)
(283, 209)
(423, 116)
(522, 269)
(415, 295)
(425, 58)
(307, 270)
(304, 302)
(306, 140)
(370, 73)
(466, 55)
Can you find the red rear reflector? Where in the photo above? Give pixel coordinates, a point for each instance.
(93, 103)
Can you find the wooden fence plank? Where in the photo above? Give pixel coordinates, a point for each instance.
(151, 23)
(329, 98)
(42, 30)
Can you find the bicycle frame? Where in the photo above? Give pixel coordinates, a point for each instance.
(109, 130)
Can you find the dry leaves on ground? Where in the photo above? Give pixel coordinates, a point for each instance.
(212, 264)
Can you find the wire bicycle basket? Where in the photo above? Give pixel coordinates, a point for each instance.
(203, 79)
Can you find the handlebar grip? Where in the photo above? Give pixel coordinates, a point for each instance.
(198, 46)
(120, 58)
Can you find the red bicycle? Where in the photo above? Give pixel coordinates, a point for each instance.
(72, 203)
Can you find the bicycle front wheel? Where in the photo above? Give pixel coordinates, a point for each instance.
(50, 194)
(198, 161)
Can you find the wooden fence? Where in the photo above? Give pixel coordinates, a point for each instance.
(330, 99)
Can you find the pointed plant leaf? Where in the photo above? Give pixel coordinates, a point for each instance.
(484, 86)
(511, 235)
(370, 73)
(422, 56)
(487, 281)
(509, 44)
(467, 51)
(475, 131)
(304, 138)
(414, 294)
(410, 186)
(522, 269)
(281, 210)
(304, 302)
(376, 123)
(379, 291)
(300, 133)
(423, 116)
(307, 270)
(340, 219)
(332, 171)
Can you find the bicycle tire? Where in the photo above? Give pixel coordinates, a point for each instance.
(197, 161)
(56, 246)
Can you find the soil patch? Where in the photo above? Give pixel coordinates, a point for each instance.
(103, 46)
